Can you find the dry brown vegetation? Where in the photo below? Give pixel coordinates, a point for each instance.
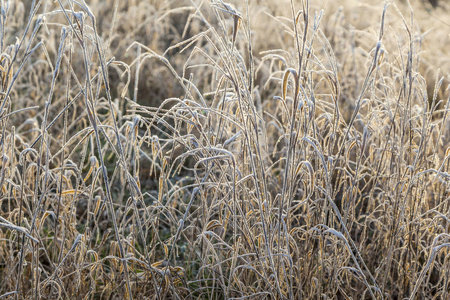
(199, 149)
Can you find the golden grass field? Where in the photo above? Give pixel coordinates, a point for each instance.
(197, 149)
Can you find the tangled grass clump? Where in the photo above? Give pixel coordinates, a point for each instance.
(201, 149)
